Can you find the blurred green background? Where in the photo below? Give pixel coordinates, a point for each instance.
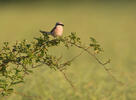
(112, 23)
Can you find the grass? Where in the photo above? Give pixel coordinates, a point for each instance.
(111, 24)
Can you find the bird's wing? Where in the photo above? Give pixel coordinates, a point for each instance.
(53, 29)
(45, 32)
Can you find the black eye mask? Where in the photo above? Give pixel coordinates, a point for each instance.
(61, 24)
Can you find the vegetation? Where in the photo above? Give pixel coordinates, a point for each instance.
(19, 60)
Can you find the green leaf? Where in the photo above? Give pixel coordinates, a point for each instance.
(30, 71)
(10, 90)
(14, 83)
(93, 40)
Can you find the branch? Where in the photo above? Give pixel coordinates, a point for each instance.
(100, 62)
(25, 55)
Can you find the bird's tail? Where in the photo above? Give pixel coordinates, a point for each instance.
(45, 32)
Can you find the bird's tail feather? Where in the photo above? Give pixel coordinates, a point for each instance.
(45, 32)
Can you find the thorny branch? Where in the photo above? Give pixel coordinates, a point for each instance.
(100, 62)
(61, 69)
(28, 55)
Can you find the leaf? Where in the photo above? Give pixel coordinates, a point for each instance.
(30, 71)
(1, 58)
(14, 83)
(93, 40)
(10, 90)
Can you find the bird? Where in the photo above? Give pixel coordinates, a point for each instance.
(57, 31)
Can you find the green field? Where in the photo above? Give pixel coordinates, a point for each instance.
(112, 24)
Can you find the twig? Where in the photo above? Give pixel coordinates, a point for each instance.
(37, 65)
(67, 79)
(62, 65)
(64, 74)
(103, 64)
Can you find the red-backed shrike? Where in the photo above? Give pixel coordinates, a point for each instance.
(56, 31)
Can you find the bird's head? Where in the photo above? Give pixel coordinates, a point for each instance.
(59, 23)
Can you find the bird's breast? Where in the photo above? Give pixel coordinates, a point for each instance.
(58, 31)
